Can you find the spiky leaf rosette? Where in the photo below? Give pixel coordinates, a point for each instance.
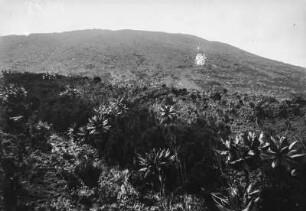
(281, 153)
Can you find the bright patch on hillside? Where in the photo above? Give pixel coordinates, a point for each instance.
(200, 59)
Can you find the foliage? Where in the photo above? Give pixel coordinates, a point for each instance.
(155, 164)
(73, 143)
(238, 198)
(167, 113)
(281, 154)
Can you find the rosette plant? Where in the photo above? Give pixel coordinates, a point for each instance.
(238, 198)
(99, 124)
(281, 154)
(154, 164)
(167, 113)
(241, 151)
(120, 106)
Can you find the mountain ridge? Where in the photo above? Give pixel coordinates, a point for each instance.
(133, 55)
(181, 34)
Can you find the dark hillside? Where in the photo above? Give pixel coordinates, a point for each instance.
(78, 143)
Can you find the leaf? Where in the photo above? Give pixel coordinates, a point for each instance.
(249, 188)
(143, 169)
(284, 149)
(292, 152)
(254, 192)
(275, 163)
(271, 152)
(227, 144)
(274, 140)
(251, 153)
(293, 172)
(297, 155)
(167, 153)
(146, 174)
(236, 161)
(292, 145)
(16, 118)
(223, 152)
(237, 140)
(265, 145)
(282, 141)
(256, 200)
(261, 138)
(249, 206)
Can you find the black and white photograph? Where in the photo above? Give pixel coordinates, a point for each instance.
(153, 105)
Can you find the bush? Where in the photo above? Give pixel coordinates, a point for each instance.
(69, 143)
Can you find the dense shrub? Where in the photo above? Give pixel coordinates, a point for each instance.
(79, 143)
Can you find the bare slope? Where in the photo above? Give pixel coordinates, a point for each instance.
(133, 55)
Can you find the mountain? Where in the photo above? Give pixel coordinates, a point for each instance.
(127, 55)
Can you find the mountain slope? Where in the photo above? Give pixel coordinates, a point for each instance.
(154, 56)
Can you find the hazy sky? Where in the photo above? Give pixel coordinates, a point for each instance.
(271, 28)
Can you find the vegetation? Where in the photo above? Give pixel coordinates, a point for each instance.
(76, 143)
(132, 55)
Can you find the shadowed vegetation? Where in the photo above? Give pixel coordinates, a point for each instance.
(80, 143)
